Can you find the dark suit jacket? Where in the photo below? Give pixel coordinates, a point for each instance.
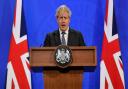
(75, 38)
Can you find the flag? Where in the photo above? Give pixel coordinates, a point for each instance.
(122, 23)
(18, 72)
(111, 74)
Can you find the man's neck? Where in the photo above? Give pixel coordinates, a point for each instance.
(64, 30)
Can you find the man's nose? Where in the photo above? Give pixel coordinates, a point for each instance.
(63, 18)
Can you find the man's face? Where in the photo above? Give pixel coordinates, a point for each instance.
(63, 20)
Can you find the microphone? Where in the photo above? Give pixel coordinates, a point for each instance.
(41, 45)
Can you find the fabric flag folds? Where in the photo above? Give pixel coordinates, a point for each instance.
(18, 73)
(111, 74)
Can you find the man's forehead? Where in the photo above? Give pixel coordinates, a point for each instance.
(63, 14)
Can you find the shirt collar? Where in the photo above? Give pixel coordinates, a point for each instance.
(65, 31)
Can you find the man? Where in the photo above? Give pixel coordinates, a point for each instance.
(64, 35)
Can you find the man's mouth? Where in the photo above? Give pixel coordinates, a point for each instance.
(63, 25)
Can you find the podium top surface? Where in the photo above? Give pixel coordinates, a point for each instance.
(44, 57)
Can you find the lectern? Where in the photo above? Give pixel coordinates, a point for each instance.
(63, 78)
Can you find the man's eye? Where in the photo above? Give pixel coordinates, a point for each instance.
(62, 17)
(65, 17)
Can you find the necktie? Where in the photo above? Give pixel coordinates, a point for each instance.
(63, 38)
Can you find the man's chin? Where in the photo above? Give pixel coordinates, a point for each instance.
(63, 28)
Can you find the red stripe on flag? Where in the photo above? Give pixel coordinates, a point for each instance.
(121, 64)
(28, 65)
(106, 16)
(106, 84)
(107, 55)
(12, 87)
(17, 49)
(20, 73)
(15, 15)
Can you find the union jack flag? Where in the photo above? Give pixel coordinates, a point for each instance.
(111, 74)
(18, 74)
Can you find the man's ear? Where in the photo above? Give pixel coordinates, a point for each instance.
(69, 19)
(57, 18)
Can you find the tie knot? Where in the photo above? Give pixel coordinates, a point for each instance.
(63, 33)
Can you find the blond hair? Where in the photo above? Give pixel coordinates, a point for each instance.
(62, 8)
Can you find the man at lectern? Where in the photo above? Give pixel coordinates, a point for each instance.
(64, 35)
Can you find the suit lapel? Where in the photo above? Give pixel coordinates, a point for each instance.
(69, 37)
(57, 38)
